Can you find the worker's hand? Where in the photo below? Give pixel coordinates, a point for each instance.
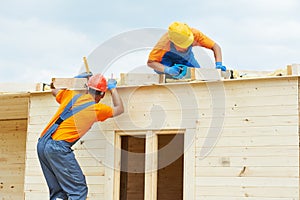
(182, 72)
(174, 70)
(220, 66)
(111, 84)
(52, 85)
(84, 75)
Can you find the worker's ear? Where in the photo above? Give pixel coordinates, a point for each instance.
(100, 94)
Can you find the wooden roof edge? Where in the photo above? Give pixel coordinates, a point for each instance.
(15, 94)
(212, 81)
(181, 82)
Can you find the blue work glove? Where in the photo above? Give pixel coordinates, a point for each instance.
(84, 75)
(173, 71)
(182, 72)
(111, 84)
(220, 66)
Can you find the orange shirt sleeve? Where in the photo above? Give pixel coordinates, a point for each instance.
(103, 111)
(159, 50)
(64, 95)
(202, 40)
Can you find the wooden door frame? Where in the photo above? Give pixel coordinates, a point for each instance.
(151, 161)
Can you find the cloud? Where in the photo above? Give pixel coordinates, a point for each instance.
(256, 35)
(36, 51)
(45, 39)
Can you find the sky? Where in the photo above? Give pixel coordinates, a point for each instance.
(42, 39)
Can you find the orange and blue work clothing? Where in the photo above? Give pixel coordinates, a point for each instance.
(165, 52)
(76, 126)
(75, 116)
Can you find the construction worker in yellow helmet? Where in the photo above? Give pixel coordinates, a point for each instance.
(174, 49)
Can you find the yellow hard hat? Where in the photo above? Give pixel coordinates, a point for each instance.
(180, 34)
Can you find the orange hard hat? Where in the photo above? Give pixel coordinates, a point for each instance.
(97, 82)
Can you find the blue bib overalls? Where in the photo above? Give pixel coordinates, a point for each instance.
(61, 170)
(173, 57)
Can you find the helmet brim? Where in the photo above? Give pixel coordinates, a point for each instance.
(185, 44)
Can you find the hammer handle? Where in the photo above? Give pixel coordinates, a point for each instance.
(86, 65)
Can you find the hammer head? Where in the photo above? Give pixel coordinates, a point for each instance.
(84, 75)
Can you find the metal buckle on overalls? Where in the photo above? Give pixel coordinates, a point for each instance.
(59, 121)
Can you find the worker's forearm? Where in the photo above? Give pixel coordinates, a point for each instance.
(156, 66)
(55, 91)
(117, 102)
(217, 52)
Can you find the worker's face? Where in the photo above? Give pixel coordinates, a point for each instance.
(180, 49)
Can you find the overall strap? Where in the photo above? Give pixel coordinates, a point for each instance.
(54, 126)
(68, 112)
(76, 110)
(70, 104)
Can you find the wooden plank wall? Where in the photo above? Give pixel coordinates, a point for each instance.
(90, 151)
(257, 153)
(42, 107)
(13, 123)
(299, 129)
(255, 156)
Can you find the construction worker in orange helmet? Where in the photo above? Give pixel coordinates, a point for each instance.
(174, 49)
(75, 116)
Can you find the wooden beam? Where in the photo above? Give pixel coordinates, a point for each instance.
(189, 169)
(117, 166)
(141, 79)
(151, 166)
(70, 83)
(293, 69)
(207, 74)
(201, 74)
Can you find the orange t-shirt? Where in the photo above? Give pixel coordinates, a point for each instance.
(77, 125)
(163, 45)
